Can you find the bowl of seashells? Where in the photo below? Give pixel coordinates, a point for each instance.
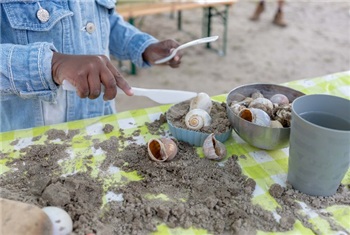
(261, 113)
(193, 121)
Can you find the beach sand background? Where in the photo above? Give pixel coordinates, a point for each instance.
(316, 42)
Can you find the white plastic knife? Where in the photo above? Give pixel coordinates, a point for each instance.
(161, 96)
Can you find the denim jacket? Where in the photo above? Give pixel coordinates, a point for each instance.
(28, 95)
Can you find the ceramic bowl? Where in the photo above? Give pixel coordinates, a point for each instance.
(262, 137)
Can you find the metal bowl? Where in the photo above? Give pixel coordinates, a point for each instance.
(259, 136)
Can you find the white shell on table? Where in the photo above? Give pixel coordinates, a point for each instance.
(256, 116)
(62, 223)
(162, 149)
(195, 119)
(214, 149)
(202, 101)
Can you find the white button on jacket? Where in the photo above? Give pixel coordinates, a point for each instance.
(90, 27)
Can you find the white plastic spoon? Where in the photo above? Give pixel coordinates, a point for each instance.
(161, 96)
(188, 44)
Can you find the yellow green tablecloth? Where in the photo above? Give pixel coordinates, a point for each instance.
(265, 167)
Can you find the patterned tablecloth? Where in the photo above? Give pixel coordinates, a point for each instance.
(265, 167)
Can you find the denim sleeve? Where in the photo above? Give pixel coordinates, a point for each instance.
(26, 71)
(127, 42)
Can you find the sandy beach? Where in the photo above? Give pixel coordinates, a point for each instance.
(316, 42)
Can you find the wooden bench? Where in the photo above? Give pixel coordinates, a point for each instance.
(131, 11)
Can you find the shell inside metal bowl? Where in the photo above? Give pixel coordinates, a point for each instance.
(263, 137)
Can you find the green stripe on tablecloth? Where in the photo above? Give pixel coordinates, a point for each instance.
(220, 98)
(331, 84)
(158, 109)
(278, 154)
(283, 163)
(346, 179)
(256, 172)
(341, 214)
(272, 168)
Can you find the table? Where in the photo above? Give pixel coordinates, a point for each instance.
(265, 167)
(211, 9)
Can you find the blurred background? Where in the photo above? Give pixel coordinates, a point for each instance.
(316, 42)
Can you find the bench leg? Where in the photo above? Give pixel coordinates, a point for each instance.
(206, 25)
(224, 48)
(207, 21)
(179, 20)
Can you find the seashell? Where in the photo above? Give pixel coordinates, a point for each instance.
(245, 102)
(162, 149)
(201, 101)
(276, 124)
(195, 119)
(263, 104)
(283, 114)
(256, 116)
(257, 94)
(279, 99)
(236, 108)
(214, 149)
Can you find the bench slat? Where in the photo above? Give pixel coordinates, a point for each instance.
(132, 10)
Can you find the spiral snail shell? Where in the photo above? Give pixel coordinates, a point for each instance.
(256, 116)
(279, 99)
(162, 149)
(195, 119)
(214, 149)
(263, 104)
(201, 101)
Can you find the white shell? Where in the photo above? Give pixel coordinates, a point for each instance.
(276, 124)
(195, 119)
(283, 114)
(257, 94)
(262, 103)
(162, 149)
(214, 149)
(201, 101)
(61, 222)
(236, 108)
(256, 116)
(245, 102)
(279, 99)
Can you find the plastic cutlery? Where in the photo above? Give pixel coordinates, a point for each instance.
(161, 96)
(188, 44)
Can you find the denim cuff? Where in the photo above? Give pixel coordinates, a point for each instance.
(139, 44)
(30, 71)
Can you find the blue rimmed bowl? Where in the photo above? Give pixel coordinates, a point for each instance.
(220, 126)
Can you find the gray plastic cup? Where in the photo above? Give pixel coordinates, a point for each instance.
(319, 145)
